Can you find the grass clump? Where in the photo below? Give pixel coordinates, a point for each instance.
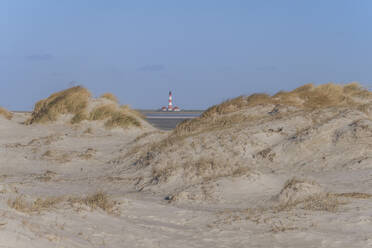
(79, 117)
(307, 97)
(8, 115)
(77, 101)
(102, 112)
(306, 195)
(40, 204)
(71, 101)
(98, 200)
(200, 170)
(111, 97)
(122, 119)
(115, 116)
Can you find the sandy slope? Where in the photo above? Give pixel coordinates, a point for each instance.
(219, 188)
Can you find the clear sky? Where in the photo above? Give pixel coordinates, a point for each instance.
(205, 51)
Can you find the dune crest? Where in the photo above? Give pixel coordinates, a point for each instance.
(78, 102)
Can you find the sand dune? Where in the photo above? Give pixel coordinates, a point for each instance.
(289, 170)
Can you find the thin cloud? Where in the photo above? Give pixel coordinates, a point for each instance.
(149, 68)
(38, 57)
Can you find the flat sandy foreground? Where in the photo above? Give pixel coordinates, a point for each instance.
(286, 178)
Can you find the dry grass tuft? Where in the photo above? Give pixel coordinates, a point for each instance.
(195, 125)
(306, 195)
(355, 195)
(79, 117)
(127, 109)
(97, 200)
(71, 101)
(225, 107)
(199, 170)
(308, 97)
(325, 95)
(318, 202)
(115, 116)
(111, 97)
(102, 112)
(21, 205)
(122, 119)
(8, 115)
(75, 101)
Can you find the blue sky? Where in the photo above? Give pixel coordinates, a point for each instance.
(205, 51)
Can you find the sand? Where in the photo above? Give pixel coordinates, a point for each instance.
(292, 179)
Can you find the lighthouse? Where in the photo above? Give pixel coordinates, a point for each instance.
(170, 104)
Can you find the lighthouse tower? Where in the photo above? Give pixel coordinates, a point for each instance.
(170, 104)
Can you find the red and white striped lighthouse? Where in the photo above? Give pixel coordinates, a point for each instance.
(170, 104)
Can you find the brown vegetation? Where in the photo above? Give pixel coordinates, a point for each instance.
(355, 195)
(121, 119)
(8, 115)
(79, 117)
(70, 101)
(97, 200)
(200, 170)
(307, 97)
(306, 195)
(115, 116)
(75, 101)
(111, 97)
(102, 112)
(94, 201)
(21, 205)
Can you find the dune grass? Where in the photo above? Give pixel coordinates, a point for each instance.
(98, 200)
(122, 119)
(110, 96)
(79, 117)
(22, 205)
(71, 101)
(3, 112)
(307, 97)
(102, 112)
(115, 116)
(75, 101)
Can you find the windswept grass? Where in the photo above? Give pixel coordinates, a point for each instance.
(71, 101)
(200, 170)
(102, 112)
(131, 111)
(6, 113)
(307, 195)
(97, 200)
(75, 101)
(22, 205)
(307, 97)
(122, 119)
(115, 116)
(111, 97)
(79, 117)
